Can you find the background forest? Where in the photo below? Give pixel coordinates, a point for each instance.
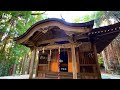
(15, 59)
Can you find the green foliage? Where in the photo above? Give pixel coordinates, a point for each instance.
(95, 16)
(14, 24)
(77, 20)
(100, 60)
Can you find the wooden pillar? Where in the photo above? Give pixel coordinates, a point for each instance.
(96, 59)
(78, 62)
(37, 63)
(49, 59)
(74, 66)
(32, 63)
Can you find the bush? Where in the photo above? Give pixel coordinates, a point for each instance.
(100, 61)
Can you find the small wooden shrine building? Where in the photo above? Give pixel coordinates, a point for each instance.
(67, 50)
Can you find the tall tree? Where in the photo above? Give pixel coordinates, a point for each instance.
(14, 24)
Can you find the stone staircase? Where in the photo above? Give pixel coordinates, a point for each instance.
(63, 75)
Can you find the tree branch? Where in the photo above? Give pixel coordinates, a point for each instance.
(38, 13)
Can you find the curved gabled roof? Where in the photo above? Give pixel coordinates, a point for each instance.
(102, 36)
(85, 24)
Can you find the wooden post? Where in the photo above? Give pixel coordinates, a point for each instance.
(49, 58)
(32, 63)
(74, 66)
(77, 58)
(37, 63)
(96, 58)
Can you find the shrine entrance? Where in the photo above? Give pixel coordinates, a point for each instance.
(63, 61)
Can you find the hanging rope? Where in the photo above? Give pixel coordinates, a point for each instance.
(59, 63)
(49, 59)
(49, 55)
(50, 52)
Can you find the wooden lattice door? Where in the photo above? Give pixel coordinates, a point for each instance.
(87, 62)
(42, 64)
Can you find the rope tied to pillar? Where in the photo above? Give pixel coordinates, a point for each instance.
(50, 52)
(59, 63)
(49, 55)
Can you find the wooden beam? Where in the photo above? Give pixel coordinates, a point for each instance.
(55, 40)
(81, 36)
(32, 63)
(96, 59)
(74, 66)
(107, 33)
(56, 46)
(30, 43)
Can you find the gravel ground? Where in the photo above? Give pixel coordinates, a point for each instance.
(16, 77)
(104, 76)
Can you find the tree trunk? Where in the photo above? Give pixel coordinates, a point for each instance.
(24, 65)
(117, 50)
(113, 58)
(14, 69)
(32, 62)
(20, 67)
(105, 60)
(28, 65)
(29, 61)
